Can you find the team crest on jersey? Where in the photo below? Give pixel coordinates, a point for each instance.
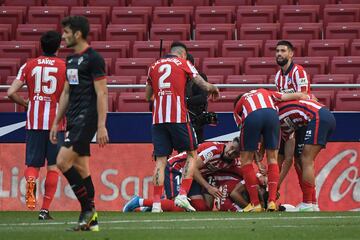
(289, 80)
(209, 155)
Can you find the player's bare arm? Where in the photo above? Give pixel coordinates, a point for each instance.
(288, 159)
(63, 104)
(210, 88)
(294, 96)
(148, 92)
(102, 108)
(12, 93)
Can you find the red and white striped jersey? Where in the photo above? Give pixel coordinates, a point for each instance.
(168, 77)
(254, 100)
(293, 80)
(211, 155)
(45, 78)
(295, 114)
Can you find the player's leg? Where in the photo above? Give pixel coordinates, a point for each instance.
(35, 158)
(250, 135)
(184, 139)
(161, 139)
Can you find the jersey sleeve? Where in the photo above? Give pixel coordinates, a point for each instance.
(301, 81)
(97, 67)
(21, 75)
(189, 69)
(276, 96)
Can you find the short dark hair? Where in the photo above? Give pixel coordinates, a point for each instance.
(285, 43)
(77, 23)
(190, 58)
(178, 44)
(50, 42)
(238, 99)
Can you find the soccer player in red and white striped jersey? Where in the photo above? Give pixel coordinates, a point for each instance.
(256, 116)
(45, 78)
(313, 124)
(291, 77)
(171, 126)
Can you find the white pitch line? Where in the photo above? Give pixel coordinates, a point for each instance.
(184, 220)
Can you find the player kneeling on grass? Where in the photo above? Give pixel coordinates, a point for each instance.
(212, 157)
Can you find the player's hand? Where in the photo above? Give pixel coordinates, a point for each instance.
(214, 92)
(215, 192)
(53, 134)
(102, 137)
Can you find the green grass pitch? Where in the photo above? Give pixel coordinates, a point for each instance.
(189, 226)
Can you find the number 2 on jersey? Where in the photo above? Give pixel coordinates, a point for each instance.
(42, 75)
(166, 68)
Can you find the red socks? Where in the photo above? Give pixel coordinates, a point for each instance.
(31, 172)
(158, 192)
(166, 205)
(273, 180)
(251, 183)
(308, 191)
(185, 186)
(50, 188)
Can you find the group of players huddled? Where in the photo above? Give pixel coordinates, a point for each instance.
(282, 125)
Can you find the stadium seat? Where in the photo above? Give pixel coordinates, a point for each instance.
(222, 66)
(170, 32)
(231, 2)
(130, 15)
(112, 49)
(357, 81)
(32, 32)
(256, 14)
(259, 31)
(225, 103)
(348, 1)
(327, 47)
(272, 2)
(65, 2)
(190, 2)
(202, 48)
(13, 15)
(245, 79)
(9, 80)
(22, 2)
(19, 49)
(128, 32)
(95, 15)
(133, 66)
(47, 14)
(215, 32)
(345, 30)
(299, 47)
(112, 98)
(261, 66)
(326, 97)
(149, 49)
(214, 14)
(321, 3)
(306, 31)
(6, 105)
(95, 33)
(120, 80)
(346, 65)
(313, 65)
(111, 3)
(6, 32)
(108, 66)
(64, 51)
(151, 3)
(341, 13)
(242, 48)
(215, 79)
(355, 47)
(132, 102)
(347, 101)
(8, 67)
(173, 15)
(333, 79)
(299, 13)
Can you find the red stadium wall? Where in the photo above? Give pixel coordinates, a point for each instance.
(120, 170)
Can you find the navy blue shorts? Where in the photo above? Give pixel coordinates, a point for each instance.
(169, 136)
(172, 184)
(39, 148)
(319, 129)
(262, 122)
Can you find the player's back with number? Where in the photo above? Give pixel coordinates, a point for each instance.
(168, 78)
(45, 78)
